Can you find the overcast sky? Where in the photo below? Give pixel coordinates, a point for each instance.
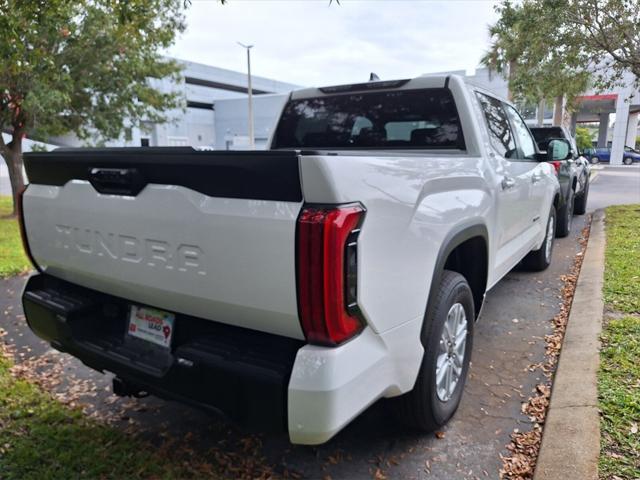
(309, 42)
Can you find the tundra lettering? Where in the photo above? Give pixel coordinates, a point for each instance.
(127, 248)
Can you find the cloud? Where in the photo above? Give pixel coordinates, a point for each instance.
(309, 42)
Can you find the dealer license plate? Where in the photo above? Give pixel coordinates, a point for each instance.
(152, 325)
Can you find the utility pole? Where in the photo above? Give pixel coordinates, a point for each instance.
(252, 142)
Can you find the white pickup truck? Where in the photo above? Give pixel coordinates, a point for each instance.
(299, 285)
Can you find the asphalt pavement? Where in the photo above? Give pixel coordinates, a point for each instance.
(509, 340)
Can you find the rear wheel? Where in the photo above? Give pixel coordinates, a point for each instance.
(627, 160)
(565, 217)
(595, 160)
(580, 203)
(538, 260)
(447, 337)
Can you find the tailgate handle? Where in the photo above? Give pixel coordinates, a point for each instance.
(117, 181)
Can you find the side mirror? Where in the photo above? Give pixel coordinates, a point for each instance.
(558, 149)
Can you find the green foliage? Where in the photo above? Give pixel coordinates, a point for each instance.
(608, 34)
(556, 47)
(583, 138)
(12, 257)
(520, 50)
(83, 65)
(622, 273)
(637, 142)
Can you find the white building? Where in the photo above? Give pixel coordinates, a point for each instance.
(201, 124)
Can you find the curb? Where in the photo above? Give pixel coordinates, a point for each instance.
(571, 438)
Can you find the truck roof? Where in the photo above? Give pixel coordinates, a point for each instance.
(426, 81)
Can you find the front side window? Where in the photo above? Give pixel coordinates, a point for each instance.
(526, 146)
(498, 124)
(419, 119)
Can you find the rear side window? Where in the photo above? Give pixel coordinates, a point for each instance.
(526, 144)
(543, 135)
(498, 124)
(422, 119)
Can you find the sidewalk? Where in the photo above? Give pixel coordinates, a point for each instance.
(571, 439)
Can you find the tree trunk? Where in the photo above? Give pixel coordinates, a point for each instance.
(542, 104)
(512, 74)
(12, 153)
(558, 111)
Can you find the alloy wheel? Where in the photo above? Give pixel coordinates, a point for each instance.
(451, 352)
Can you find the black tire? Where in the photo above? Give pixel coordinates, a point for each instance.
(538, 260)
(565, 217)
(627, 160)
(595, 160)
(580, 203)
(422, 408)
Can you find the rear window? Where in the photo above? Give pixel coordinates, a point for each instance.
(545, 134)
(423, 119)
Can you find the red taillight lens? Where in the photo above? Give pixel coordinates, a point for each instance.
(327, 273)
(23, 231)
(556, 165)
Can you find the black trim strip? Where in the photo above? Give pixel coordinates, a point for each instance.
(364, 86)
(201, 105)
(223, 86)
(263, 175)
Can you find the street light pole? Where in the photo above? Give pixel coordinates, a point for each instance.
(252, 143)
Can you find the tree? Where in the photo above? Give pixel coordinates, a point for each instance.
(609, 35)
(557, 47)
(82, 66)
(521, 45)
(583, 138)
(506, 43)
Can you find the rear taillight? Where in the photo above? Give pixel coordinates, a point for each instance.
(328, 273)
(556, 165)
(23, 231)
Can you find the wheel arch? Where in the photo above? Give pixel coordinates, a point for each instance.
(556, 200)
(459, 247)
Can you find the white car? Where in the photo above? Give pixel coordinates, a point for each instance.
(295, 286)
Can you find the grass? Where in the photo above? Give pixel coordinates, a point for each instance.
(619, 375)
(12, 257)
(42, 439)
(619, 388)
(622, 272)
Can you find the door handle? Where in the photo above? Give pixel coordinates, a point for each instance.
(507, 183)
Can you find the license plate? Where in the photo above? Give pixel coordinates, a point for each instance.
(152, 325)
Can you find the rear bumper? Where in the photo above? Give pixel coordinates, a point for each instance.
(256, 378)
(329, 387)
(215, 366)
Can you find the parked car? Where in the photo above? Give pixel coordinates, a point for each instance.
(597, 155)
(573, 174)
(295, 286)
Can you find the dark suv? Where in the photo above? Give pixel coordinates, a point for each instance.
(573, 175)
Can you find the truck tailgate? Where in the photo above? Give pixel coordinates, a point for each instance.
(208, 234)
